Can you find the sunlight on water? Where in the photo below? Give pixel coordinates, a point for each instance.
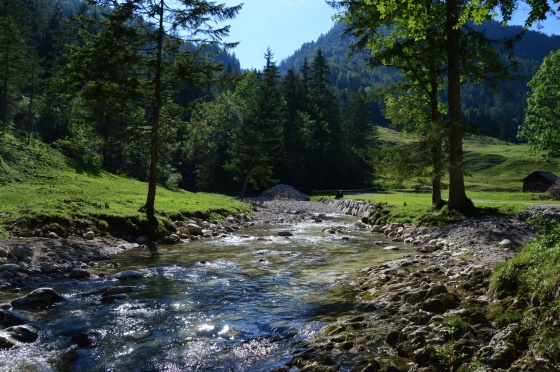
(236, 303)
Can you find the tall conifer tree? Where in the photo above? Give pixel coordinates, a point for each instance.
(152, 28)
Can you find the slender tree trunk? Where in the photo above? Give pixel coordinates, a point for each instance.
(245, 183)
(437, 201)
(436, 141)
(457, 198)
(5, 86)
(154, 140)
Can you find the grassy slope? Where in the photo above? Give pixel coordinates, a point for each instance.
(494, 172)
(38, 184)
(490, 164)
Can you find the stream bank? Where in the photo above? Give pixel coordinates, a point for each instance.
(436, 311)
(427, 311)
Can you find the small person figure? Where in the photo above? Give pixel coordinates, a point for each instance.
(339, 194)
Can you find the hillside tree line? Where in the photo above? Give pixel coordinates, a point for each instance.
(147, 89)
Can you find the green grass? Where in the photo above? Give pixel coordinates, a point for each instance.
(490, 164)
(39, 185)
(494, 173)
(493, 165)
(534, 276)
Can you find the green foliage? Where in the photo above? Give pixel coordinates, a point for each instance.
(447, 355)
(533, 276)
(540, 128)
(257, 139)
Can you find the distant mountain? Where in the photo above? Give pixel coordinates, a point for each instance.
(493, 112)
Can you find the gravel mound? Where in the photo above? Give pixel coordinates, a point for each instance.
(282, 192)
(285, 204)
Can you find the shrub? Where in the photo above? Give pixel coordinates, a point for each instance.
(554, 191)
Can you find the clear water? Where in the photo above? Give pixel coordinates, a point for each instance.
(230, 304)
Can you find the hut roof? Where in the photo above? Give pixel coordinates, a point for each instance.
(545, 174)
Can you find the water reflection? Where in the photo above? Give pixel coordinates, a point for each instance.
(227, 304)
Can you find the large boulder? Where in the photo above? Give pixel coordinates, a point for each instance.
(40, 298)
(129, 275)
(11, 318)
(79, 273)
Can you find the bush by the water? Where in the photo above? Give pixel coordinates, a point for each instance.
(533, 276)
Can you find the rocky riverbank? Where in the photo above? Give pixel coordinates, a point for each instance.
(434, 311)
(431, 311)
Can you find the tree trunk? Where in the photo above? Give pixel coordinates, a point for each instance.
(154, 140)
(6, 71)
(437, 201)
(436, 140)
(457, 198)
(246, 182)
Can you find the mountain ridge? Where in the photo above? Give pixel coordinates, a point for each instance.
(495, 112)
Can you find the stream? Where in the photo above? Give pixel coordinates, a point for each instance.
(238, 303)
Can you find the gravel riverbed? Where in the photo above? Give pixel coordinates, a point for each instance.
(403, 307)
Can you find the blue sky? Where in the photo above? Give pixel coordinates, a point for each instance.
(284, 25)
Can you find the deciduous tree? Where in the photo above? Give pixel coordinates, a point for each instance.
(387, 26)
(541, 128)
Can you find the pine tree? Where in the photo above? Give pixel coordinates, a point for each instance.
(257, 143)
(292, 167)
(151, 29)
(360, 139)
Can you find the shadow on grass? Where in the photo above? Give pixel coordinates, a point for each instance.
(491, 212)
(82, 167)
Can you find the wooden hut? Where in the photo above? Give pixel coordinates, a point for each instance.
(539, 181)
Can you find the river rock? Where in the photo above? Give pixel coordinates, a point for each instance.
(20, 252)
(83, 339)
(129, 275)
(120, 289)
(506, 346)
(12, 267)
(47, 268)
(285, 233)
(11, 318)
(78, 273)
(171, 239)
(23, 333)
(505, 243)
(7, 274)
(40, 298)
(194, 229)
(89, 235)
(6, 340)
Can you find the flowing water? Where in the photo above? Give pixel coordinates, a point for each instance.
(231, 304)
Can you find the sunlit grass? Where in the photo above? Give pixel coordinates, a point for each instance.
(490, 164)
(37, 183)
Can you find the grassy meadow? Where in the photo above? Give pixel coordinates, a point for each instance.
(493, 181)
(39, 185)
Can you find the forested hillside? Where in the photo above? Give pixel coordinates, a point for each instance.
(494, 111)
(116, 90)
